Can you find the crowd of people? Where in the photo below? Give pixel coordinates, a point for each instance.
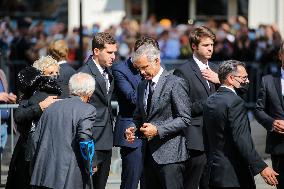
(180, 130)
(234, 38)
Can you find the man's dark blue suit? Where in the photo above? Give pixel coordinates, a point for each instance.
(126, 80)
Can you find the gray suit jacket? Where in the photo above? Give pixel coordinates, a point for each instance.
(170, 113)
(58, 162)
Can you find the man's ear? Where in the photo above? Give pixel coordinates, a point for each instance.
(230, 78)
(96, 51)
(193, 46)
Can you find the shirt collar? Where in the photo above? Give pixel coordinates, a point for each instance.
(156, 78)
(98, 66)
(229, 88)
(201, 65)
(61, 62)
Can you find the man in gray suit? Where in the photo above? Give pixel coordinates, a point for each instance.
(162, 112)
(63, 131)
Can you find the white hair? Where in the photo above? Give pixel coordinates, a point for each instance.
(44, 62)
(82, 84)
(149, 50)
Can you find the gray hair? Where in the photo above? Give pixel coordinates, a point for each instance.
(44, 62)
(149, 50)
(82, 84)
(228, 67)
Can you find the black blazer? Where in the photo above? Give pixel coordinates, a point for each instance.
(65, 72)
(198, 94)
(233, 160)
(270, 106)
(101, 100)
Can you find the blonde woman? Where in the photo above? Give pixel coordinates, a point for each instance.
(38, 91)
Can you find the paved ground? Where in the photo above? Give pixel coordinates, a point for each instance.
(258, 134)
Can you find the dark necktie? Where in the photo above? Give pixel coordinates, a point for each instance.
(150, 94)
(105, 75)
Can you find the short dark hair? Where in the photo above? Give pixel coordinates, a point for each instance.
(146, 40)
(228, 67)
(101, 39)
(198, 32)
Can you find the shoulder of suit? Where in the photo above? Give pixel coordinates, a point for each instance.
(184, 68)
(269, 77)
(119, 66)
(66, 66)
(174, 79)
(85, 68)
(78, 103)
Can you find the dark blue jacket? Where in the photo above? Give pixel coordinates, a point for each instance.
(126, 80)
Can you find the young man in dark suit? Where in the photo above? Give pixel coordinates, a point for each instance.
(202, 80)
(269, 112)
(232, 161)
(126, 80)
(162, 112)
(98, 65)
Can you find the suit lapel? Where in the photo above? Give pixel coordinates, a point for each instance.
(157, 92)
(198, 74)
(99, 78)
(277, 81)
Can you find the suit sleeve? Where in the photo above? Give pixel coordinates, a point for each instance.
(123, 87)
(86, 127)
(239, 127)
(26, 113)
(180, 104)
(137, 115)
(260, 115)
(197, 106)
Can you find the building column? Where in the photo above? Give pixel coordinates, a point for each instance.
(266, 12)
(192, 9)
(73, 14)
(232, 8)
(128, 12)
(144, 10)
(280, 16)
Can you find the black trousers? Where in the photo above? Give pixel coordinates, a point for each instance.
(194, 170)
(167, 176)
(101, 176)
(278, 166)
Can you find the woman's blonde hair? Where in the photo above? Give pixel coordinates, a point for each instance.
(44, 62)
(58, 50)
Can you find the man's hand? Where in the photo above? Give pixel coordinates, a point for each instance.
(210, 75)
(129, 134)
(47, 102)
(12, 98)
(269, 176)
(4, 97)
(278, 126)
(149, 130)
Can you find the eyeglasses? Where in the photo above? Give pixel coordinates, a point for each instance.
(244, 78)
